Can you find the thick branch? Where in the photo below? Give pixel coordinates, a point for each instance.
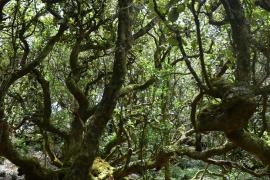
(199, 40)
(145, 29)
(81, 165)
(240, 35)
(162, 157)
(40, 57)
(45, 124)
(137, 87)
(30, 167)
(251, 144)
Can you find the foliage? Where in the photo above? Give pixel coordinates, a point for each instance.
(153, 89)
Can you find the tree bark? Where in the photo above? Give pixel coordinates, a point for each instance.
(240, 36)
(83, 162)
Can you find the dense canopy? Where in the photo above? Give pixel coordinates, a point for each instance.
(142, 89)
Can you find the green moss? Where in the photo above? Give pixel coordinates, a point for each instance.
(101, 169)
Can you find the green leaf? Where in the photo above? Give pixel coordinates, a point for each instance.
(173, 14)
(181, 8)
(184, 42)
(172, 41)
(193, 44)
(175, 11)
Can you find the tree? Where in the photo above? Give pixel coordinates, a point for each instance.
(134, 85)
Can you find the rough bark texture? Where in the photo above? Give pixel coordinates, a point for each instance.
(238, 104)
(84, 160)
(31, 168)
(232, 113)
(240, 35)
(250, 143)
